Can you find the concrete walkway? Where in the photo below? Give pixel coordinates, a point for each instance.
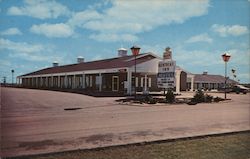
(34, 121)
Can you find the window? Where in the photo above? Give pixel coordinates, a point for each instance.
(136, 81)
(87, 81)
(142, 79)
(149, 82)
(90, 81)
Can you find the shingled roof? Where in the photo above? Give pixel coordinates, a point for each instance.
(205, 78)
(118, 62)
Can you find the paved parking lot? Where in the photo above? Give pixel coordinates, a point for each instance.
(34, 121)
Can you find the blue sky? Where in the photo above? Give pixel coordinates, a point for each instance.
(34, 33)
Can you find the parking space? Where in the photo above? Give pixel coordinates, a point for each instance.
(35, 121)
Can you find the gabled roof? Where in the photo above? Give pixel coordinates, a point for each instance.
(118, 62)
(206, 78)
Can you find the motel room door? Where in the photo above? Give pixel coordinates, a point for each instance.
(115, 83)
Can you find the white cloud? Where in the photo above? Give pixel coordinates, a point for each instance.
(28, 51)
(31, 52)
(19, 47)
(200, 38)
(30, 57)
(200, 58)
(52, 30)
(239, 57)
(11, 31)
(134, 17)
(157, 49)
(41, 9)
(80, 18)
(226, 30)
(113, 37)
(5, 63)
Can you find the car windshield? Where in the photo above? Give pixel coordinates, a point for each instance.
(242, 87)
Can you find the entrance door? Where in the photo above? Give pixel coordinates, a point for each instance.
(115, 83)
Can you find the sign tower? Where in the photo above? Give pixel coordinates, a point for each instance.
(166, 71)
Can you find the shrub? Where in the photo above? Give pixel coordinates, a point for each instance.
(208, 98)
(199, 97)
(150, 100)
(218, 99)
(170, 97)
(192, 102)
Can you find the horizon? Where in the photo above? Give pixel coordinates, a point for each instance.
(34, 34)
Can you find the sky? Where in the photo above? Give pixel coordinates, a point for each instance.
(35, 33)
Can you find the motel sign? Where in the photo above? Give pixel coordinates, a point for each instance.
(166, 71)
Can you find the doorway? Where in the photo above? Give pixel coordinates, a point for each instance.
(115, 83)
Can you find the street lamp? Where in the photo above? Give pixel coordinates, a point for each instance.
(226, 58)
(135, 51)
(12, 72)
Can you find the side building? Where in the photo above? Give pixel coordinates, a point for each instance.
(207, 81)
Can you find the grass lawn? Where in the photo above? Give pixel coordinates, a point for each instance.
(230, 146)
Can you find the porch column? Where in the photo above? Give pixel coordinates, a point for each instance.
(192, 84)
(83, 80)
(46, 81)
(129, 82)
(100, 82)
(177, 78)
(145, 83)
(35, 81)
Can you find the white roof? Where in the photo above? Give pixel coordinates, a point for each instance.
(122, 49)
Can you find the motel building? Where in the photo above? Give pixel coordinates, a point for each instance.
(117, 75)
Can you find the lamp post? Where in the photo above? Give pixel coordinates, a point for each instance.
(135, 51)
(12, 72)
(226, 58)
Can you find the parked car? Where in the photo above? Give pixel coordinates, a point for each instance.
(228, 89)
(240, 89)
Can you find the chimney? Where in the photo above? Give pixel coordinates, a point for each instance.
(80, 59)
(122, 52)
(55, 64)
(204, 73)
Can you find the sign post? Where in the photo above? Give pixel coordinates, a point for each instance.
(166, 71)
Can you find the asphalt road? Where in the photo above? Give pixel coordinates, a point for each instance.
(34, 121)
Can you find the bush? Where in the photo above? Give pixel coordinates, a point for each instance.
(150, 100)
(208, 98)
(170, 97)
(192, 102)
(199, 97)
(218, 99)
